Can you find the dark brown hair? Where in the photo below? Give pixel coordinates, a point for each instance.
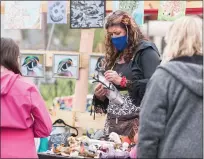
(134, 34)
(9, 55)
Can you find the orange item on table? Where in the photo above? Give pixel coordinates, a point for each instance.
(125, 139)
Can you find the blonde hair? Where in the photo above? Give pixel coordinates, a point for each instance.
(184, 38)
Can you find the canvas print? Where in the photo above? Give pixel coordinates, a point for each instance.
(22, 15)
(134, 8)
(32, 65)
(87, 14)
(171, 10)
(57, 12)
(97, 63)
(66, 65)
(128, 6)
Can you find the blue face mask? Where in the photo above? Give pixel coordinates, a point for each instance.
(120, 43)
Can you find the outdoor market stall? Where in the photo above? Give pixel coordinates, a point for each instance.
(85, 145)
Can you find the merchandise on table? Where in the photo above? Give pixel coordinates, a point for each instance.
(91, 148)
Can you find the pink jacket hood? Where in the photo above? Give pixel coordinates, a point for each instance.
(23, 105)
(23, 116)
(7, 81)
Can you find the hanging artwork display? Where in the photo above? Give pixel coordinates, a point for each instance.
(127, 6)
(57, 12)
(97, 63)
(66, 65)
(133, 8)
(32, 65)
(22, 15)
(87, 14)
(171, 10)
(138, 13)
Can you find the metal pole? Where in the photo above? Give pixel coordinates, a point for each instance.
(50, 37)
(56, 83)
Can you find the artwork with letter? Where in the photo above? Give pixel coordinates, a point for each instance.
(22, 15)
(171, 10)
(66, 65)
(87, 14)
(32, 65)
(57, 12)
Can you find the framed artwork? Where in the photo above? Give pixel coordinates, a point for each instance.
(134, 8)
(87, 14)
(127, 6)
(171, 10)
(57, 12)
(66, 65)
(32, 64)
(22, 15)
(97, 63)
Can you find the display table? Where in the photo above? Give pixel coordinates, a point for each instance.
(89, 148)
(50, 156)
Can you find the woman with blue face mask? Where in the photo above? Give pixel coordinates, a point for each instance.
(130, 62)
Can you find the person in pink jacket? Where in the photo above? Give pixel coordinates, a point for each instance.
(23, 111)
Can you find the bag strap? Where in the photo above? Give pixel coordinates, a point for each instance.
(137, 60)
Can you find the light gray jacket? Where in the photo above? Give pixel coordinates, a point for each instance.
(171, 111)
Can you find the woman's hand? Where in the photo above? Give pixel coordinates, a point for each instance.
(112, 76)
(100, 91)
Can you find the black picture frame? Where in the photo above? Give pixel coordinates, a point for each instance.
(71, 14)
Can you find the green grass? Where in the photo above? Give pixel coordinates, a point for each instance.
(62, 87)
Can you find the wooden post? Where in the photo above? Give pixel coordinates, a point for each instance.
(81, 86)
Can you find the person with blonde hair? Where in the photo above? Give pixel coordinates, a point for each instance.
(184, 38)
(171, 110)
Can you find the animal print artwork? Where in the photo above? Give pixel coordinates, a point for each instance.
(87, 14)
(32, 65)
(171, 10)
